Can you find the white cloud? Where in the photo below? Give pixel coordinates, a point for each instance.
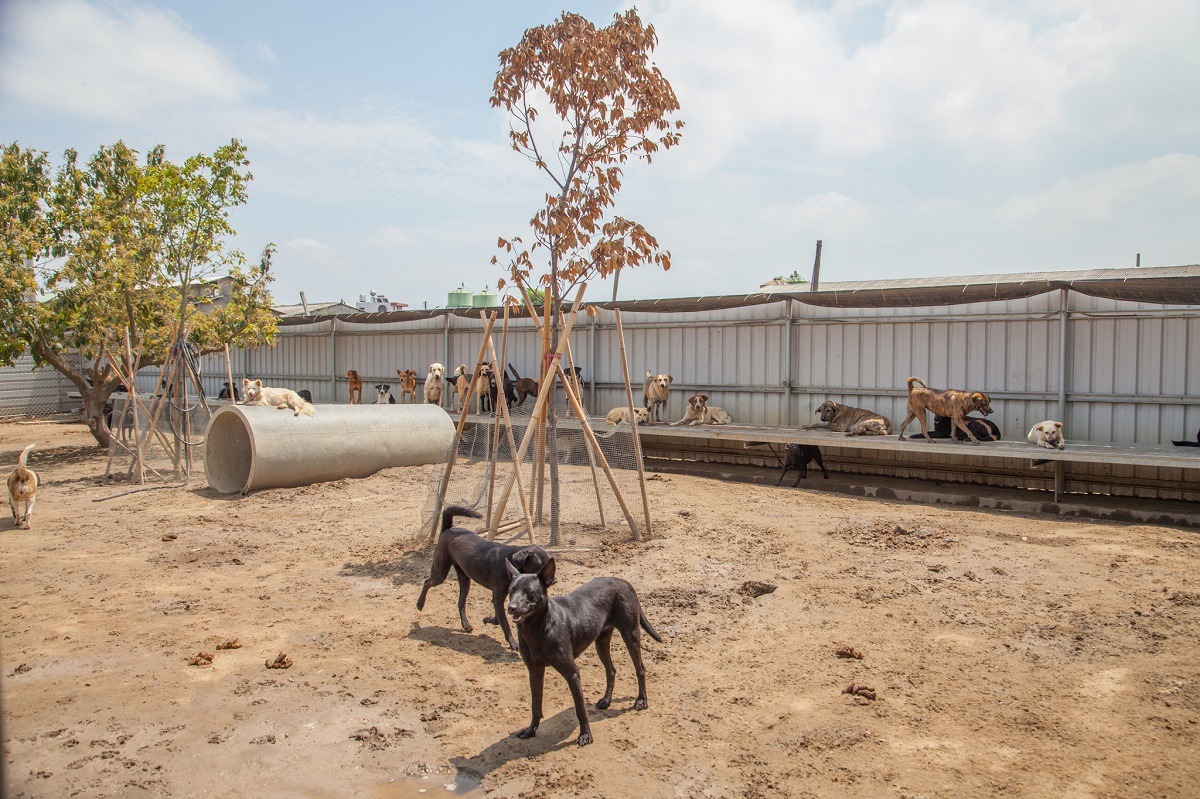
(857, 77)
(265, 53)
(112, 61)
(308, 254)
(1112, 195)
(824, 214)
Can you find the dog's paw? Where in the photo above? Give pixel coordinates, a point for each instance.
(584, 738)
(603, 704)
(526, 732)
(490, 620)
(640, 703)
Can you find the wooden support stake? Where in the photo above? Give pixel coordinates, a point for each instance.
(435, 525)
(229, 375)
(503, 410)
(591, 455)
(591, 437)
(633, 427)
(141, 475)
(544, 391)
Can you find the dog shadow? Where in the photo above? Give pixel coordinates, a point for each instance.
(409, 568)
(554, 733)
(481, 645)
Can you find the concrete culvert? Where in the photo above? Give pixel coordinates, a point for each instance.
(250, 447)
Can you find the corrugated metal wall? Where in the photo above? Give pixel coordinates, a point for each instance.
(25, 391)
(1132, 373)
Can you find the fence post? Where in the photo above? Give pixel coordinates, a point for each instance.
(333, 358)
(789, 413)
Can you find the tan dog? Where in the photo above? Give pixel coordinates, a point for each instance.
(435, 384)
(954, 403)
(258, 394)
(22, 490)
(619, 416)
(408, 384)
(700, 412)
(355, 387)
(1048, 434)
(850, 420)
(483, 389)
(656, 389)
(461, 380)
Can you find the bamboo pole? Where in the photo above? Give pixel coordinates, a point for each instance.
(511, 444)
(493, 442)
(435, 524)
(141, 474)
(633, 427)
(229, 376)
(591, 437)
(544, 391)
(591, 455)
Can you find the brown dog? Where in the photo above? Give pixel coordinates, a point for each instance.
(408, 385)
(523, 386)
(22, 490)
(952, 402)
(656, 390)
(355, 387)
(460, 381)
(850, 420)
(700, 412)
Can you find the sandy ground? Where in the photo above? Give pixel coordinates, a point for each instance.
(1009, 655)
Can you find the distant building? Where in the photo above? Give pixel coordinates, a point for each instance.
(792, 280)
(315, 309)
(378, 303)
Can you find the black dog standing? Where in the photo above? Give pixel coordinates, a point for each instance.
(553, 632)
(475, 558)
(798, 456)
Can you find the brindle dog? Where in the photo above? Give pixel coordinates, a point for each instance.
(951, 402)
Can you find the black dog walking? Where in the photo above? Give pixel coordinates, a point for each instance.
(798, 456)
(486, 562)
(556, 631)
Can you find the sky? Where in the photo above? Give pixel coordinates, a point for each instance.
(912, 137)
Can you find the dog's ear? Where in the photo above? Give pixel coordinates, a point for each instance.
(245, 382)
(546, 575)
(704, 397)
(670, 379)
(1057, 425)
(513, 571)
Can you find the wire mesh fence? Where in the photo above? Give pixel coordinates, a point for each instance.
(29, 391)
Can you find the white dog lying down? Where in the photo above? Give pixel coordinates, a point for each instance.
(700, 412)
(621, 415)
(258, 394)
(1048, 434)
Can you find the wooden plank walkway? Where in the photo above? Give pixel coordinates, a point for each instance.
(751, 435)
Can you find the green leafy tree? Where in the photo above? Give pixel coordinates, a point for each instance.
(605, 102)
(118, 244)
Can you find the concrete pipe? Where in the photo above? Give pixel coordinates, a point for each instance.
(249, 447)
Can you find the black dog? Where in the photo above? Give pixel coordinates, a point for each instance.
(984, 429)
(798, 456)
(224, 393)
(556, 631)
(486, 562)
(305, 395)
(1195, 443)
(510, 388)
(522, 387)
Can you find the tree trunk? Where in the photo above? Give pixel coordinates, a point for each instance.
(94, 397)
(551, 417)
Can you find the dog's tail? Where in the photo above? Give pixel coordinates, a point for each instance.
(22, 461)
(457, 510)
(306, 408)
(653, 633)
(912, 380)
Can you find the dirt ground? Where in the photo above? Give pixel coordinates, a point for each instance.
(1009, 655)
